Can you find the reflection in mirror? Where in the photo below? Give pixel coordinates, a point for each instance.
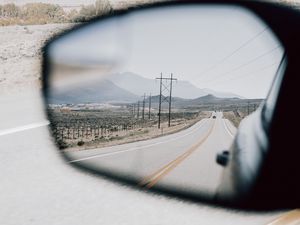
(154, 95)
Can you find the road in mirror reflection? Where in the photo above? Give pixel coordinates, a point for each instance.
(160, 128)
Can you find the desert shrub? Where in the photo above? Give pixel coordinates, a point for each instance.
(62, 144)
(87, 12)
(102, 7)
(80, 143)
(10, 10)
(43, 13)
(72, 16)
(145, 131)
(115, 138)
(40, 13)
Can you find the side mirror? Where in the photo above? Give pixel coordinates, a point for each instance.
(150, 96)
(223, 158)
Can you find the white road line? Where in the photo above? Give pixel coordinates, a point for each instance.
(23, 128)
(138, 148)
(226, 128)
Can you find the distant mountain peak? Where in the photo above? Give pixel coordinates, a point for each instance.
(140, 85)
(104, 91)
(209, 96)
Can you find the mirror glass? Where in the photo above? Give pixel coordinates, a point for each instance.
(153, 95)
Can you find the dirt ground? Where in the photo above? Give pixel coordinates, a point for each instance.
(20, 55)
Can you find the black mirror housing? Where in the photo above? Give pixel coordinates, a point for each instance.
(276, 182)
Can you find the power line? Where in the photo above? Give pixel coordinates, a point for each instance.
(245, 64)
(247, 74)
(233, 52)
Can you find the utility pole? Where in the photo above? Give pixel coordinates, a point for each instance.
(159, 106)
(143, 112)
(149, 116)
(248, 105)
(138, 110)
(168, 99)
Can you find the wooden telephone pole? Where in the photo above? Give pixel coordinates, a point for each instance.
(149, 116)
(167, 85)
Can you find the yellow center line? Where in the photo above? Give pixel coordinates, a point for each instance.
(147, 178)
(290, 218)
(151, 180)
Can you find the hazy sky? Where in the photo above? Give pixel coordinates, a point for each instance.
(225, 49)
(221, 48)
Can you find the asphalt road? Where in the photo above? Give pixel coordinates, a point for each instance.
(184, 160)
(39, 187)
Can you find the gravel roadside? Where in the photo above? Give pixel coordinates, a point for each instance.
(20, 55)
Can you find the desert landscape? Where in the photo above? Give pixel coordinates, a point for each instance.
(83, 127)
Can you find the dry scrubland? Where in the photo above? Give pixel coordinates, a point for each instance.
(43, 13)
(20, 55)
(85, 129)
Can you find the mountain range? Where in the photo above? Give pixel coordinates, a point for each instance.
(139, 85)
(201, 101)
(101, 92)
(129, 87)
